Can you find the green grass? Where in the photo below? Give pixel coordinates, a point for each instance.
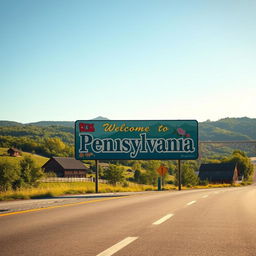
(39, 160)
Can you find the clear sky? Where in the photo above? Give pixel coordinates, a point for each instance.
(127, 59)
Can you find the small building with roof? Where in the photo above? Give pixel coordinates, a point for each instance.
(14, 152)
(219, 173)
(67, 167)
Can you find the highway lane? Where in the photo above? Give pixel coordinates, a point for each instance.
(221, 224)
(196, 222)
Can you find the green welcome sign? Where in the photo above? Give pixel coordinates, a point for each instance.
(134, 140)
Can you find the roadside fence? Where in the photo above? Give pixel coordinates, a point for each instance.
(71, 179)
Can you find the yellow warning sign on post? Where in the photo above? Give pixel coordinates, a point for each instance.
(162, 170)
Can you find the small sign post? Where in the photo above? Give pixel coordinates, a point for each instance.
(162, 170)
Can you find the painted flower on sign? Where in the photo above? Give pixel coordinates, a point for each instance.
(181, 131)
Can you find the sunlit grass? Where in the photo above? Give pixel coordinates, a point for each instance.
(52, 189)
(56, 189)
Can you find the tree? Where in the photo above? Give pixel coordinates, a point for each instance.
(144, 178)
(188, 175)
(136, 166)
(151, 165)
(29, 173)
(137, 175)
(114, 174)
(9, 174)
(150, 177)
(53, 146)
(244, 164)
(171, 167)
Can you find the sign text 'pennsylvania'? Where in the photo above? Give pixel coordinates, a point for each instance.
(133, 140)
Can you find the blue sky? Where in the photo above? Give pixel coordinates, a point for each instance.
(136, 59)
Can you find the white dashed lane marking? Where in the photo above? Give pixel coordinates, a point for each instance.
(117, 247)
(192, 202)
(160, 221)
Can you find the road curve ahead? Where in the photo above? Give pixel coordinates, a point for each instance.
(194, 223)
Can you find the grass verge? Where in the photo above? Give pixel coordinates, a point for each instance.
(52, 189)
(55, 189)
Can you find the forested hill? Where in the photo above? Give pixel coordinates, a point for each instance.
(224, 129)
(228, 129)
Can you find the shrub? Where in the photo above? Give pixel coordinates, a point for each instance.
(188, 175)
(114, 174)
(125, 184)
(29, 173)
(9, 175)
(203, 182)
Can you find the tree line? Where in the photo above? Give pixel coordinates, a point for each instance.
(26, 174)
(145, 171)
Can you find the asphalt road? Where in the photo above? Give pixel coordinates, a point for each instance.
(196, 222)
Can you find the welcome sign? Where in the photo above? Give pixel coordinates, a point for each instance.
(136, 140)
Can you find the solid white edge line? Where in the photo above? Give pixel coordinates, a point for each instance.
(160, 221)
(115, 248)
(192, 202)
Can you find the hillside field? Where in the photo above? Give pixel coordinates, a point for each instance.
(39, 160)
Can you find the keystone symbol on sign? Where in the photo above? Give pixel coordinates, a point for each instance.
(162, 170)
(84, 127)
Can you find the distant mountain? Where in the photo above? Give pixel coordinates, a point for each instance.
(52, 123)
(100, 118)
(46, 123)
(9, 123)
(61, 123)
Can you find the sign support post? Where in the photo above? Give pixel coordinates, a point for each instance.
(159, 184)
(97, 176)
(179, 174)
